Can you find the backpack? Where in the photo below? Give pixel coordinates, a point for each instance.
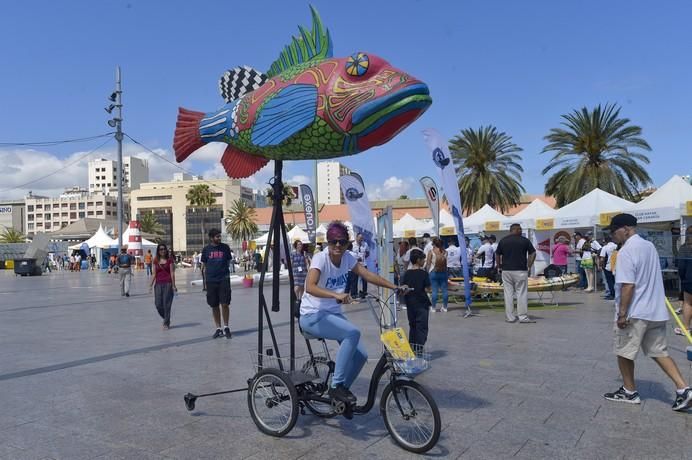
(552, 271)
(440, 262)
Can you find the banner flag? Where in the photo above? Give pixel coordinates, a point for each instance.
(443, 161)
(309, 209)
(432, 195)
(361, 214)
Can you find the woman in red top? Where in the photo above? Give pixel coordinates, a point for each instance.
(163, 283)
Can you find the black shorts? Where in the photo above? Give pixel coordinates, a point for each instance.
(219, 293)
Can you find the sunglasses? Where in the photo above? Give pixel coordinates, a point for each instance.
(339, 242)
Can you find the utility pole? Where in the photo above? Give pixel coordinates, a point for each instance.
(116, 97)
(316, 201)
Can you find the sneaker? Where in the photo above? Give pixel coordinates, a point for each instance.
(432, 310)
(683, 401)
(127, 294)
(526, 320)
(444, 310)
(511, 321)
(403, 307)
(227, 332)
(342, 394)
(217, 334)
(622, 396)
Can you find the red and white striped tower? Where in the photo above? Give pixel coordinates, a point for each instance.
(134, 240)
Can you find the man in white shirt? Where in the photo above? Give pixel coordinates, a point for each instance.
(493, 243)
(362, 252)
(427, 244)
(578, 245)
(641, 313)
(487, 254)
(605, 265)
(453, 259)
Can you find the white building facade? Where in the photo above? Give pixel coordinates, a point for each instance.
(328, 188)
(103, 175)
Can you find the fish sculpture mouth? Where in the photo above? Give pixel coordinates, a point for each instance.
(378, 121)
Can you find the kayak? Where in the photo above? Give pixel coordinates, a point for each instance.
(537, 284)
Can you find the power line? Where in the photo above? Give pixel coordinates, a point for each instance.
(50, 143)
(82, 157)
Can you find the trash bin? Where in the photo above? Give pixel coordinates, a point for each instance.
(26, 267)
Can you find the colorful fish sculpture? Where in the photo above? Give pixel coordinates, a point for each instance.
(309, 105)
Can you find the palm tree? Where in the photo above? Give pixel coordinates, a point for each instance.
(487, 167)
(596, 149)
(200, 196)
(10, 235)
(288, 195)
(149, 224)
(241, 221)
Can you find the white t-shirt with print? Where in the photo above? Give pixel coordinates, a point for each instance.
(453, 257)
(607, 251)
(428, 247)
(489, 260)
(638, 264)
(332, 278)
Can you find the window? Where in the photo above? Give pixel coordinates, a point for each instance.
(90, 213)
(99, 213)
(90, 203)
(39, 224)
(73, 216)
(64, 205)
(30, 217)
(73, 206)
(30, 208)
(30, 226)
(108, 213)
(56, 205)
(99, 203)
(39, 206)
(47, 225)
(81, 215)
(64, 214)
(39, 216)
(156, 197)
(46, 216)
(81, 205)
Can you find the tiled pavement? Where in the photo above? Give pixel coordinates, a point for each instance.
(85, 373)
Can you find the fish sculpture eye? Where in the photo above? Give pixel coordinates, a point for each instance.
(357, 64)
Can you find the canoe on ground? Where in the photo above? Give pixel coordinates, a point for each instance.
(537, 284)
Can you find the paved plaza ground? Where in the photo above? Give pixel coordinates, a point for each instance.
(87, 374)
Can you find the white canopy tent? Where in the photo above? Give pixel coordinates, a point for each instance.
(537, 210)
(100, 239)
(408, 226)
(485, 218)
(297, 233)
(665, 204)
(447, 224)
(585, 211)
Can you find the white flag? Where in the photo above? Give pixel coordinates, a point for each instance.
(432, 195)
(361, 215)
(443, 161)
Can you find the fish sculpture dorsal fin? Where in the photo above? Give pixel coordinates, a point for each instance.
(237, 82)
(311, 45)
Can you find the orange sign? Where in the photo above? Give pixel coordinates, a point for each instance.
(605, 217)
(545, 224)
(492, 226)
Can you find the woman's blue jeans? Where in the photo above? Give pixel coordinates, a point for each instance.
(438, 280)
(351, 356)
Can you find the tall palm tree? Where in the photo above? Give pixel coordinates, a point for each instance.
(10, 235)
(202, 197)
(241, 221)
(596, 148)
(149, 224)
(288, 195)
(487, 167)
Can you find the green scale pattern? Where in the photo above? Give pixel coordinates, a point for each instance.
(318, 140)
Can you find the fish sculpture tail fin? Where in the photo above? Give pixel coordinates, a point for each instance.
(187, 138)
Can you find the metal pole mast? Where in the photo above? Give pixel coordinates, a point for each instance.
(119, 137)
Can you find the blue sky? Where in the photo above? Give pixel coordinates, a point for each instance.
(516, 65)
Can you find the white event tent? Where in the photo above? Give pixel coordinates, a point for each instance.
(666, 204)
(100, 239)
(297, 233)
(585, 211)
(527, 217)
(409, 226)
(476, 222)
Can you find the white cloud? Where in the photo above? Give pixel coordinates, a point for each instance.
(299, 179)
(392, 188)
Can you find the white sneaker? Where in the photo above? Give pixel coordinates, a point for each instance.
(432, 310)
(444, 310)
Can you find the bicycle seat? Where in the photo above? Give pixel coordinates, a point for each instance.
(308, 336)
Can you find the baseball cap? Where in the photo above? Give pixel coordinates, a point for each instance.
(622, 220)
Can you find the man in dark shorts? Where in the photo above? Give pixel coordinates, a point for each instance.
(215, 259)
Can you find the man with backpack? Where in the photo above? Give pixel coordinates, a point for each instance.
(125, 262)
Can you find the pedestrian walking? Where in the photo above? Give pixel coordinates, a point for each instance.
(417, 300)
(579, 241)
(216, 257)
(163, 283)
(148, 259)
(300, 263)
(515, 257)
(436, 264)
(362, 252)
(640, 313)
(125, 261)
(604, 263)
